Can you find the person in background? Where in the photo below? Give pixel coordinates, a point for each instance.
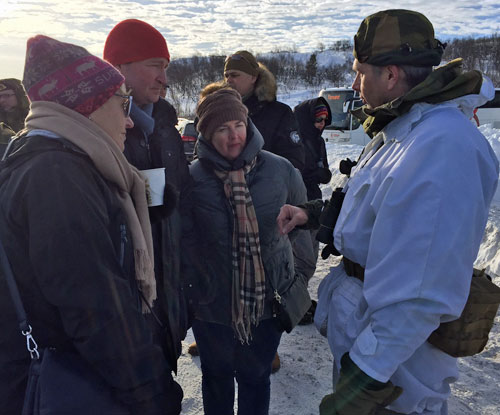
(413, 215)
(275, 121)
(140, 53)
(312, 117)
(236, 260)
(75, 228)
(14, 104)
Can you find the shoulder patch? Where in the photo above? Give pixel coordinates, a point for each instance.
(295, 137)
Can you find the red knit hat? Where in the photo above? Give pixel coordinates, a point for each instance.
(68, 75)
(133, 40)
(320, 110)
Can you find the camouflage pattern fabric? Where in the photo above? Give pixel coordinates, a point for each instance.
(397, 37)
(5, 134)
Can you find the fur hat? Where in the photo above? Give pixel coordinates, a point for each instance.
(133, 40)
(68, 75)
(217, 108)
(397, 37)
(242, 61)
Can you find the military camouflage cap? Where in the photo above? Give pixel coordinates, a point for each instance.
(397, 37)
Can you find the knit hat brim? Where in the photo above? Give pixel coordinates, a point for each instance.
(218, 108)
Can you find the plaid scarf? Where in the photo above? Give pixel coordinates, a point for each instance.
(249, 281)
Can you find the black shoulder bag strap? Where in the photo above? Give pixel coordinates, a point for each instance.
(22, 318)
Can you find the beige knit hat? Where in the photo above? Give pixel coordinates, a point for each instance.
(217, 108)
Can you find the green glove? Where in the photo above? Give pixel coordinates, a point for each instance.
(313, 209)
(357, 393)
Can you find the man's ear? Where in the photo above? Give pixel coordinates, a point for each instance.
(393, 74)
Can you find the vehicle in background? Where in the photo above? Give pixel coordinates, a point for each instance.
(489, 113)
(344, 126)
(189, 135)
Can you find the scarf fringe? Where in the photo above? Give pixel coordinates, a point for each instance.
(143, 267)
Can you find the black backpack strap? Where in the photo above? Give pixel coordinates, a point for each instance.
(22, 318)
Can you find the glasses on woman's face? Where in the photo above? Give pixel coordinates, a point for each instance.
(127, 104)
(5, 96)
(319, 120)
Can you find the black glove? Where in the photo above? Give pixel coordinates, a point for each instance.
(323, 175)
(346, 166)
(328, 250)
(357, 393)
(169, 203)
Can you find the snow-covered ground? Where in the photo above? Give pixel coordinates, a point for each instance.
(306, 362)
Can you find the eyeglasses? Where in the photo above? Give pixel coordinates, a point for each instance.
(127, 103)
(7, 95)
(318, 120)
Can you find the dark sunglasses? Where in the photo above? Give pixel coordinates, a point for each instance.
(318, 120)
(127, 103)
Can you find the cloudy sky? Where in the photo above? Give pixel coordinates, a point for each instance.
(222, 26)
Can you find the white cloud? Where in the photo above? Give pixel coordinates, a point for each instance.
(219, 26)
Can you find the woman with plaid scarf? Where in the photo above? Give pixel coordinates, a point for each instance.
(235, 256)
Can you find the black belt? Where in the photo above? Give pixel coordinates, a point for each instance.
(353, 269)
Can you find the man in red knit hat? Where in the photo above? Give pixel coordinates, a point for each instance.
(140, 53)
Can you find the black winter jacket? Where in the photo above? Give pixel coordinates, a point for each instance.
(276, 123)
(316, 169)
(272, 183)
(274, 120)
(66, 238)
(164, 148)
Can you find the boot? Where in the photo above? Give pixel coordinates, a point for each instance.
(193, 349)
(275, 366)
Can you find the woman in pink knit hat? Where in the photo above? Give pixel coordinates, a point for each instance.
(76, 231)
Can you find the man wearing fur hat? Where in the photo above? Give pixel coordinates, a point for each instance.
(274, 120)
(140, 53)
(409, 229)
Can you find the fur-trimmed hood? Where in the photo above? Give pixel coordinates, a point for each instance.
(265, 86)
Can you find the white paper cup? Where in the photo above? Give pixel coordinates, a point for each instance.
(155, 185)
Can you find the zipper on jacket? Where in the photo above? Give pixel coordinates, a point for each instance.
(123, 241)
(148, 149)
